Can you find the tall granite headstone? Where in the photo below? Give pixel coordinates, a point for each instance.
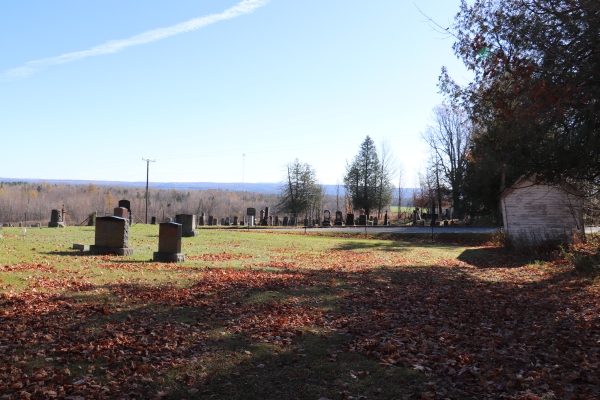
(188, 224)
(112, 236)
(169, 243)
(349, 219)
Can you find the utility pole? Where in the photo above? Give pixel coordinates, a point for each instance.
(147, 176)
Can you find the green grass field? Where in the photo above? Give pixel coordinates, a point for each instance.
(266, 315)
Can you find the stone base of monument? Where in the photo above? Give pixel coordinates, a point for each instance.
(82, 247)
(119, 251)
(189, 234)
(56, 224)
(168, 257)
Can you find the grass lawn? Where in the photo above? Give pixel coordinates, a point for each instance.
(278, 315)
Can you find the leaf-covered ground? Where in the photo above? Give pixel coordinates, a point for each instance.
(271, 315)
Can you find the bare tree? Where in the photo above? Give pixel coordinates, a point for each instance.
(449, 137)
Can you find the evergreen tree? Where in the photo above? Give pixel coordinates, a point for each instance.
(362, 178)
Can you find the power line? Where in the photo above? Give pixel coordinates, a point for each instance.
(147, 177)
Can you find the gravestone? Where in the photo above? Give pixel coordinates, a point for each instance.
(168, 219)
(222, 221)
(267, 220)
(415, 216)
(386, 221)
(55, 219)
(339, 219)
(236, 221)
(127, 204)
(326, 218)
(262, 217)
(270, 220)
(169, 243)
(202, 220)
(121, 212)
(188, 224)
(210, 220)
(153, 220)
(285, 221)
(349, 219)
(305, 221)
(375, 221)
(227, 221)
(276, 220)
(112, 236)
(362, 219)
(293, 221)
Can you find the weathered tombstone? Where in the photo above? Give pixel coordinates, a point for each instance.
(375, 221)
(112, 236)
(55, 219)
(362, 219)
(210, 220)
(270, 220)
(326, 218)
(153, 220)
(202, 220)
(227, 221)
(285, 220)
(168, 219)
(276, 220)
(120, 212)
(188, 224)
(20, 224)
(222, 221)
(127, 204)
(267, 215)
(169, 243)
(305, 221)
(236, 221)
(415, 216)
(339, 219)
(349, 219)
(386, 221)
(243, 221)
(262, 217)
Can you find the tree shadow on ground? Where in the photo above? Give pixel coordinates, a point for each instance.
(373, 245)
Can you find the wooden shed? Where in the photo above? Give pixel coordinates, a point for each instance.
(535, 213)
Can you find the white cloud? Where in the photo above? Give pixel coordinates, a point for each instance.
(113, 46)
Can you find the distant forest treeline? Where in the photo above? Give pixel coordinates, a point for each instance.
(33, 202)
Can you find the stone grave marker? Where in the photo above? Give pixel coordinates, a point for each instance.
(285, 221)
(55, 219)
(339, 219)
(362, 219)
(210, 220)
(349, 219)
(120, 212)
(112, 236)
(375, 221)
(188, 224)
(153, 220)
(169, 243)
(236, 221)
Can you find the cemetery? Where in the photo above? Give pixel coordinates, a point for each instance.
(235, 310)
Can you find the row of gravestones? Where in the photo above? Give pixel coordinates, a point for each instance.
(112, 237)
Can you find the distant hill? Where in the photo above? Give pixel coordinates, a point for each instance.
(267, 188)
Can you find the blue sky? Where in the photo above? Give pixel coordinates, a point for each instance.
(274, 80)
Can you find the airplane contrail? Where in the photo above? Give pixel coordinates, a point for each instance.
(113, 46)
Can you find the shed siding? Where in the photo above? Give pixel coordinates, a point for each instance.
(537, 213)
